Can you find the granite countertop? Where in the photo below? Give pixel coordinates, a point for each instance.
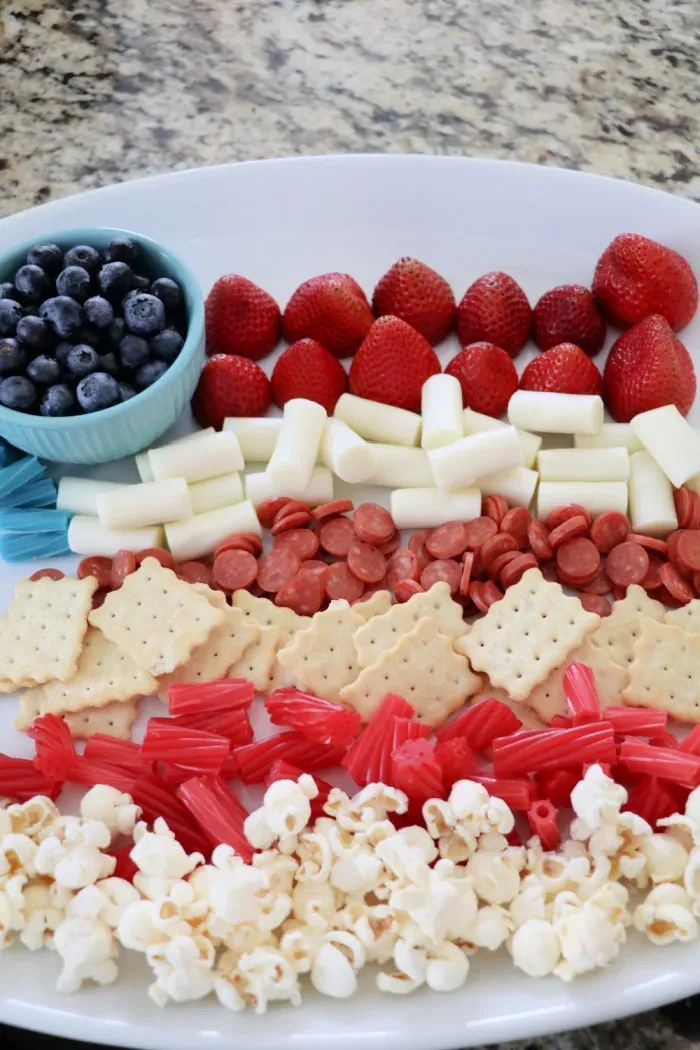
(97, 91)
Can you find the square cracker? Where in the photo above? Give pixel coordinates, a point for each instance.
(212, 659)
(322, 657)
(665, 671)
(378, 603)
(423, 668)
(156, 618)
(114, 720)
(383, 632)
(618, 632)
(548, 698)
(266, 613)
(258, 661)
(525, 635)
(687, 617)
(42, 634)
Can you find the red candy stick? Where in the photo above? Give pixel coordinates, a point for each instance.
(558, 785)
(218, 813)
(54, 746)
(518, 794)
(89, 772)
(637, 721)
(417, 772)
(554, 749)
(456, 759)
(234, 724)
(691, 744)
(189, 697)
(581, 694)
(653, 799)
(124, 754)
(480, 724)
(315, 719)
(364, 756)
(676, 766)
(21, 780)
(255, 759)
(195, 749)
(542, 818)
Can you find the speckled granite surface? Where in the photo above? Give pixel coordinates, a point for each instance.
(96, 91)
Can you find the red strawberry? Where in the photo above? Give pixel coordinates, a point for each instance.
(568, 314)
(564, 369)
(306, 369)
(487, 377)
(331, 308)
(241, 318)
(419, 296)
(647, 367)
(392, 364)
(230, 385)
(636, 277)
(495, 310)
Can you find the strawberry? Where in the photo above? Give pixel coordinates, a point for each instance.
(636, 277)
(419, 296)
(564, 369)
(392, 364)
(647, 367)
(495, 310)
(331, 308)
(568, 314)
(241, 318)
(230, 385)
(487, 377)
(306, 369)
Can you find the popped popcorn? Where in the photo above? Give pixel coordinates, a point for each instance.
(110, 807)
(666, 916)
(535, 948)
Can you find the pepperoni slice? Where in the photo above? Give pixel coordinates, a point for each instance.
(296, 520)
(694, 521)
(366, 562)
(672, 541)
(391, 545)
(98, 598)
(416, 543)
(304, 593)
(292, 506)
(475, 593)
(564, 512)
(651, 543)
(677, 587)
(373, 524)
(234, 570)
(688, 551)
(609, 529)
(515, 569)
(495, 507)
(652, 580)
(403, 565)
(538, 538)
(450, 539)
(315, 566)
(193, 572)
(477, 532)
(490, 593)
(303, 542)
(339, 582)
(50, 574)
(696, 582)
(627, 563)
(269, 508)
(595, 603)
(467, 565)
(237, 541)
(549, 572)
(579, 560)
(276, 568)
(100, 568)
(600, 584)
(449, 571)
(164, 557)
(123, 564)
(568, 530)
(499, 544)
(405, 589)
(328, 510)
(516, 522)
(337, 536)
(684, 504)
(499, 563)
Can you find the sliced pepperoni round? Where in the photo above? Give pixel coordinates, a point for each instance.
(516, 522)
(123, 564)
(652, 580)
(688, 551)
(694, 521)
(292, 506)
(672, 541)
(450, 539)
(373, 524)
(579, 560)
(538, 538)
(619, 592)
(440, 570)
(696, 581)
(416, 543)
(664, 596)
(237, 541)
(269, 508)
(339, 582)
(564, 512)
(609, 529)
(193, 572)
(549, 572)
(490, 593)
(627, 563)
(337, 536)
(650, 543)
(297, 520)
(403, 565)
(495, 507)
(467, 565)
(304, 593)
(303, 542)
(315, 566)
(405, 589)
(50, 574)
(475, 593)
(568, 530)
(164, 557)
(684, 504)
(366, 562)
(595, 603)
(391, 545)
(514, 571)
(478, 532)
(478, 571)
(98, 598)
(677, 587)
(329, 510)
(600, 584)
(100, 568)
(499, 563)
(499, 544)
(276, 568)
(234, 570)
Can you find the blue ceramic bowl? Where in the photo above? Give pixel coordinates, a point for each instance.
(124, 429)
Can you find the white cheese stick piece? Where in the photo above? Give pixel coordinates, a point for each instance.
(517, 485)
(151, 503)
(200, 534)
(458, 465)
(144, 467)
(610, 435)
(79, 495)
(595, 496)
(556, 413)
(671, 440)
(346, 453)
(441, 409)
(259, 487)
(401, 467)
(257, 435)
(216, 492)
(210, 456)
(652, 511)
(584, 464)
(476, 422)
(298, 443)
(426, 508)
(86, 536)
(376, 422)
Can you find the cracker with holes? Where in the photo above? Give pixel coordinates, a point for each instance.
(383, 632)
(258, 661)
(618, 632)
(687, 617)
(665, 671)
(114, 720)
(42, 634)
(526, 634)
(31, 705)
(520, 709)
(266, 613)
(422, 667)
(212, 660)
(322, 657)
(548, 698)
(376, 605)
(156, 618)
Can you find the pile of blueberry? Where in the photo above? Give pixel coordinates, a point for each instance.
(82, 329)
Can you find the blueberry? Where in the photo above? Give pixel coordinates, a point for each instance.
(44, 370)
(32, 283)
(10, 314)
(47, 256)
(97, 391)
(115, 280)
(81, 361)
(167, 345)
(116, 332)
(82, 255)
(144, 314)
(108, 363)
(149, 373)
(74, 281)
(90, 335)
(99, 311)
(35, 333)
(141, 283)
(129, 295)
(12, 356)
(17, 392)
(134, 351)
(7, 290)
(122, 249)
(168, 292)
(63, 314)
(61, 352)
(126, 392)
(59, 400)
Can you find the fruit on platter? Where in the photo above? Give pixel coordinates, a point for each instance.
(568, 314)
(230, 385)
(241, 318)
(307, 369)
(487, 376)
(648, 366)
(392, 364)
(419, 296)
(494, 309)
(331, 308)
(564, 369)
